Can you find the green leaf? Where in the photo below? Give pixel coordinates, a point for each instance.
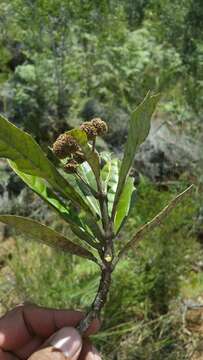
(19, 147)
(88, 176)
(124, 204)
(138, 130)
(39, 186)
(92, 157)
(109, 176)
(105, 174)
(32, 229)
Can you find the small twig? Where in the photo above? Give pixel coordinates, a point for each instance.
(152, 224)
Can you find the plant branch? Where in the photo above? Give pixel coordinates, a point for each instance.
(100, 299)
(152, 224)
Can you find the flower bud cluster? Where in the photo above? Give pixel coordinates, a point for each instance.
(66, 146)
(94, 128)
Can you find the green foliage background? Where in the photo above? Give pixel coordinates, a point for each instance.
(64, 61)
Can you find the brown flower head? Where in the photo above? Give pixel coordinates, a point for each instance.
(100, 125)
(71, 166)
(64, 146)
(79, 157)
(90, 130)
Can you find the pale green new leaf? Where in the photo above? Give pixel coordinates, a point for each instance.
(32, 229)
(19, 147)
(109, 175)
(139, 128)
(124, 203)
(105, 174)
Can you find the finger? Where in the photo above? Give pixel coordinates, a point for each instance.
(7, 356)
(64, 344)
(28, 349)
(89, 352)
(21, 325)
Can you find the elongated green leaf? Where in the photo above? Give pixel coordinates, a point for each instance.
(138, 130)
(105, 174)
(124, 203)
(92, 157)
(39, 186)
(31, 229)
(19, 147)
(88, 176)
(154, 222)
(109, 175)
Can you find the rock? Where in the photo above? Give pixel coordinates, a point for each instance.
(167, 153)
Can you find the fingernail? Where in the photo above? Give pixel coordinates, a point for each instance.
(68, 341)
(94, 354)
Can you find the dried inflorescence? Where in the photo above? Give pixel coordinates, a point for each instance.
(71, 166)
(100, 126)
(89, 129)
(64, 146)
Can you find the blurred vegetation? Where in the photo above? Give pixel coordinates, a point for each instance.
(61, 60)
(64, 61)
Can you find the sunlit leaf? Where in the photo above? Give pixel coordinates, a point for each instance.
(109, 175)
(39, 186)
(88, 176)
(139, 128)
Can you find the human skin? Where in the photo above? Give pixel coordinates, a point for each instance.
(28, 328)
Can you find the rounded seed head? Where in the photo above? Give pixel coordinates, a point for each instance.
(90, 130)
(79, 157)
(71, 166)
(100, 125)
(64, 145)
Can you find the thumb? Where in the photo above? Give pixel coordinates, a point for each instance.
(65, 344)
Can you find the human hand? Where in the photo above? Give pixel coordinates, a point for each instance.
(36, 333)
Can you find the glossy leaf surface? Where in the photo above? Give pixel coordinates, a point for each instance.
(139, 128)
(109, 175)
